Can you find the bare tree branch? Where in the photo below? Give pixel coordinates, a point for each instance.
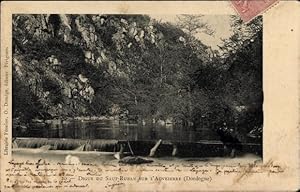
(194, 24)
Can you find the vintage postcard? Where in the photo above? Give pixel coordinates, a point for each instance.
(150, 96)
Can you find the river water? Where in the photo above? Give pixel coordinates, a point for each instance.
(114, 129)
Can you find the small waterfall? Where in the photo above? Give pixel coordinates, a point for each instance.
(119, 155)
(68, 144)
(88, 147)
(81, 148)
(45, 147)
(105, 145)
(14, 145)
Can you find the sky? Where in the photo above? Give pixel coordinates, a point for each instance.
(219, 23)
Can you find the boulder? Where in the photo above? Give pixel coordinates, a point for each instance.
(134, 160)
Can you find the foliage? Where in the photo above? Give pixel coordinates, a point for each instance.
(132, 65)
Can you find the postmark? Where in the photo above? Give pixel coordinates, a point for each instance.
(249, 9)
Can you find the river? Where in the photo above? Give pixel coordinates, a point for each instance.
(114, 129)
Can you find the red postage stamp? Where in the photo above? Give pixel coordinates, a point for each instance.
(249, 9)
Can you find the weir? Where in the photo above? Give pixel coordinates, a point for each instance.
(121, 147)
(122, 137)
(68, 144)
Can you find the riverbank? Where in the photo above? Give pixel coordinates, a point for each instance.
(54, 156)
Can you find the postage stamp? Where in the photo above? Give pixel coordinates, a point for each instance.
(249, 9)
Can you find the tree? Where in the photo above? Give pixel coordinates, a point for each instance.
(194, 24)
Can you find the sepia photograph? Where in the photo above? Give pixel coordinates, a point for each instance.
(150, 96)
(134, 88)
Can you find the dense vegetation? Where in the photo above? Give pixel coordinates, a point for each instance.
(131, 66)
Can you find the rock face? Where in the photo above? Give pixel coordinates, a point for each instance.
(135, 160)
(132, 66)
(69, 65)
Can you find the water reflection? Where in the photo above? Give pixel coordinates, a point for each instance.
(114, 129)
